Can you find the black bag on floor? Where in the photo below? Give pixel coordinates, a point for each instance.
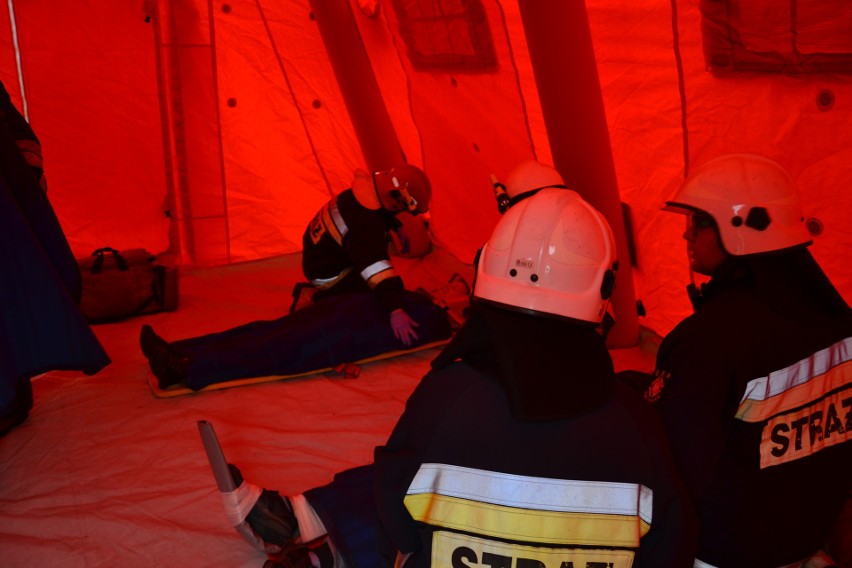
(119, 285)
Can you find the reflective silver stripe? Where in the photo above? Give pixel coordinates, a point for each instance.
(806, 383)
(646, 503)
(337, 218)
(785, 379)
(320, 282)
(540, 493)
(326, 283)
(375, 268)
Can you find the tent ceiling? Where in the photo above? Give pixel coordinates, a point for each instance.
(215, 130)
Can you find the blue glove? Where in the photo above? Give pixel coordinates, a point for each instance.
(403, 326)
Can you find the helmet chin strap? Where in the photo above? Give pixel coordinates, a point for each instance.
(410, 202)
(693, 291)
(376, 189)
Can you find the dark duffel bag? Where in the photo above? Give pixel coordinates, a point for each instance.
(121, 284)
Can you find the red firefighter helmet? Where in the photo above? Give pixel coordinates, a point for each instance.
(403, 188)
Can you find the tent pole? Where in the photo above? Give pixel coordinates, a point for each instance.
(563, 61)
(373, 127)
(181, 245)
(192, 131)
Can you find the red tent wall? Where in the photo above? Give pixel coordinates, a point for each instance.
(656, 136)
(89, 77)
(248, 90)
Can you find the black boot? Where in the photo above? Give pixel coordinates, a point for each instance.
(168, 366)
(303, 556)
(296, 557)
(272, 516)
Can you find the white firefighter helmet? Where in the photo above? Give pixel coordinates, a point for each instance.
(529, 176)
(552, 253)
(403, 188)
(752, 199)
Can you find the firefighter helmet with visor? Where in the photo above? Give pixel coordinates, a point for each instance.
(752, 199)
(550, 254)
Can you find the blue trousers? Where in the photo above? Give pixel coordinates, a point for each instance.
(339, 329)
(348, 511)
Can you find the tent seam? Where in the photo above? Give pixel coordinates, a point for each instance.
(408, 94)
(286, 77)
(681, 84)
(517, 79)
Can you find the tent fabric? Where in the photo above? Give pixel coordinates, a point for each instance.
(214, 131)
(802, 36)
(105, 474)
(210, 133)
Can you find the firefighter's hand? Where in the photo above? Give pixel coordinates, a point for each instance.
(403, 326)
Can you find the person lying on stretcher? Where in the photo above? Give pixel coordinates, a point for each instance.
(357, 305)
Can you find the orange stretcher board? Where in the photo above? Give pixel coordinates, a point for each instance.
(177, 390)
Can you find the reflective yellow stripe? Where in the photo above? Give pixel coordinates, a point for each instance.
(533, 492)
(751, 410)
(450, 549)
(535, 509)
(529, 525)
(798, 384)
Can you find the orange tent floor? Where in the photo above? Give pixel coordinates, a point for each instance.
(105, 474)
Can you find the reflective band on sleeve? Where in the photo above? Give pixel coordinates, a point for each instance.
(238, 503)
(532, 509)
(372, 275)
(758, 410)
(813, 368)
(339, 223)
(326, 283)
(333, 222)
